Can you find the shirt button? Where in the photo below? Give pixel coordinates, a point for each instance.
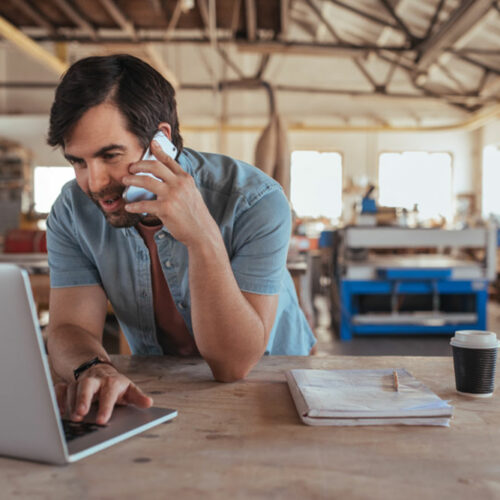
(161, 236)
(181, 305)
(144, 293)
(168, 264)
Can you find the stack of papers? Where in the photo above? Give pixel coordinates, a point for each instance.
(365, 397)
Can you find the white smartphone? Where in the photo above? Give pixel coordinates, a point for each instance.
(134, 193)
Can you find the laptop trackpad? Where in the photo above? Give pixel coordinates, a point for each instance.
(126, 421)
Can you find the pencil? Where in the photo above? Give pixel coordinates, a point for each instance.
(396, 380)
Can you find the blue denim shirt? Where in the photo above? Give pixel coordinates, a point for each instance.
(253, 216)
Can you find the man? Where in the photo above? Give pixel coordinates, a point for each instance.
(198, 270)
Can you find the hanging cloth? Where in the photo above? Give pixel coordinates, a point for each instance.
(272, 153)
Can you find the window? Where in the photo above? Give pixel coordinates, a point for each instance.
(48, 182)
(316, 184)
(491, 180)
(416, 178)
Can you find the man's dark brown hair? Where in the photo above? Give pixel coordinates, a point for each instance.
(143, 96)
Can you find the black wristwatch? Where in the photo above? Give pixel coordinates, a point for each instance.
(88, 364)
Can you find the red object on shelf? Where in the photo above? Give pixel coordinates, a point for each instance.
(25, 241)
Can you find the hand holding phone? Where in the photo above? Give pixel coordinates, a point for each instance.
(134, 193)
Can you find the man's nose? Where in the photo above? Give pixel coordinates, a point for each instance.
(98, 176)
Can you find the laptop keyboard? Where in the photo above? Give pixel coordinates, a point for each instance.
(73, 430)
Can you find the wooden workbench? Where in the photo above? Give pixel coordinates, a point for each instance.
(245, 440)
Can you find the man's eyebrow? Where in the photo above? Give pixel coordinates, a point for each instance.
(98, 153)
(71, 158)
(107, 149)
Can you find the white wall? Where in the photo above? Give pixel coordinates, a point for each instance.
(31, 132)
(490, 134)
(360, 151)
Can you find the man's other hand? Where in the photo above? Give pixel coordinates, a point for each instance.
(101, 383)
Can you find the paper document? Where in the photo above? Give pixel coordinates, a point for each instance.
(365, 397)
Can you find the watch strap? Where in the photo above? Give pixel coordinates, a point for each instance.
(85, 366)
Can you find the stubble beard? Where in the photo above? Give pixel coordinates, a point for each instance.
(120, 218)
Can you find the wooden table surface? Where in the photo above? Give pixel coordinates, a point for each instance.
(245, 440)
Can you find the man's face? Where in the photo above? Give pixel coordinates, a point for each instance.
(101, 149)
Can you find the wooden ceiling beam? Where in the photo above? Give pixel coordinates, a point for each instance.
(235, 17)
(284, 19)
(322, 19)
(119, 18)
(172, 23)
(209, 22)
(461, 20)
(251, 15)
(77, 18)
(392, 11)
(251, 83)
(434, 19)
(203, 9)
(156, 5)
(34, 14)
(158, 62)
(313, 49)
(262, 66)
(31, 48)
(366, 15)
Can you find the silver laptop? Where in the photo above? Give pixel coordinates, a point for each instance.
(30, 423)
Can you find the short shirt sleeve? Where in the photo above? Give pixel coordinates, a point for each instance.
(69, 266)
(260, 244)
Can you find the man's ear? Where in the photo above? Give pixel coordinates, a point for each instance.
(166, 129)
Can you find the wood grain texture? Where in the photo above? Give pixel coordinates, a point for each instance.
(245, 440)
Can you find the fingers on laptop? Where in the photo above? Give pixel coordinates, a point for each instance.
(86, 391)
(60, 390)
(125, 393)
(75, 399)
(111, 393)
(135, 396)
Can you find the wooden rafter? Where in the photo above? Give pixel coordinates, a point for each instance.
(235, 16)
(461, 20)
(388, 6)
(77, 18)
(156, 6)
(322, 19)
(119, 18)
(251, 16)
(284, 18)
(172, 23)
(205, 15)
(479, 64)
(482, 82)
(256, 83)
(434, 19)
(365, 73)
(30, 47)
(390, 74)
(446, 71)
(160, 65)
(32, 12)
(365, 15)
(292, 48)
(262, 66)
